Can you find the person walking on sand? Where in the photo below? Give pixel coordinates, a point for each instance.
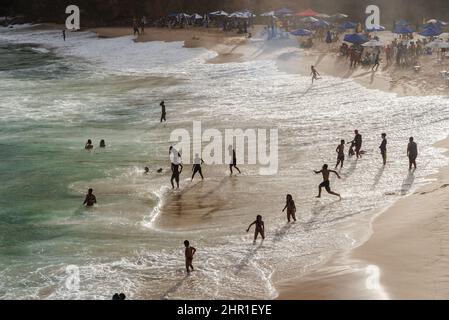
(90, 199)
(383, 148)
(326, 183)
(197, 162)
(412, 153)
(376, 62)
(340, 154)
(233, 164)
(163, 111)
(314, 74)
(189, 253)
(143, 22)
(291, 208)
(136, 27)
(260, 228)
(357, 143)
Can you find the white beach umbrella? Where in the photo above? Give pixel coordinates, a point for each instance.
(373, 43)
(268, 14)
(218, 14)
(438, 44)
(323, 16)
(309, 19)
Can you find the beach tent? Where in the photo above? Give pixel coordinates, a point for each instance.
(431, 31)
(309, 19)
(283, 12)
(348, 25)
(373, 44)
(307, 13)
(403, 30)
(302, 33)
(218, 14)
(356, 38)
(376, 28)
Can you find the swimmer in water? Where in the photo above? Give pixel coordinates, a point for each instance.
(90, 199)
(102, 144)
(89, 145)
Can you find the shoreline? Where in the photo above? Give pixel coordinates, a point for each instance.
(402, 258)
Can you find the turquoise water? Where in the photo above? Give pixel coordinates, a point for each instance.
(56, 95)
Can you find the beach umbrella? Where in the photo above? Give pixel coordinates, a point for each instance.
(237, 15)
(338, 16)
(268, 14)
(376, 28)
(402, 23)
(196, 16)
(309, 19)
(356, 38)
(283, 11)
(320, 24)
(323, 16)
(307, 13)
(438, 44)
(218, 14)
(348, 25)
(302, 33)
(403, 30)
(431, 31)
(373, 44)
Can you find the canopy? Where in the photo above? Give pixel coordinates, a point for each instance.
(356, 38)
(438, 44)
(403, 30)
(310, 19)
(348, 25)
(196, 16)
(373, 43)
(283, 11)
(218, 14)
(307, 13)
(302, 32)
(268, 14)
(376, 28)
(431, 31)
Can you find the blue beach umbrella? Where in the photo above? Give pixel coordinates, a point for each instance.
(320, 24)
(302, 33)
(431, 31)
(402, 23)
(356, 38)
(348, 25)
(403, 30)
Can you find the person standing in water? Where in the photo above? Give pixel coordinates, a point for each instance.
(357, 143)
(89, 145)
(163, 112)
(326, 183)
(340, 154)
(147, 170)
(90, 199)
(176, 166)
(412, 153)
(383, 148)
(102, 144)
(233, 164)
(291, 208)
(260, 228)
(197, 162)
(314, 74)
(189, 253)
(63, 34)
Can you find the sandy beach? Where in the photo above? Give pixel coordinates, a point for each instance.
(404, 258)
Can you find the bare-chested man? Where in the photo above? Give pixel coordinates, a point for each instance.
(341, 154)
(90, 199)
(189, 253)
(260, 228)
(326, 183)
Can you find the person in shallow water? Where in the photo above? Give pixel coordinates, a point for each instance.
(340, 154)
(357, 143)
(233, 164)
(412, 153)
(326, 183)
(89, 145)
(163, 112)
(102, 144)
(291, 208)
(314, 74)
(383, 148)
(260, 228)
(147, 170)
(90, 199)
(63, 34)
(189, 253)
(197, 162)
